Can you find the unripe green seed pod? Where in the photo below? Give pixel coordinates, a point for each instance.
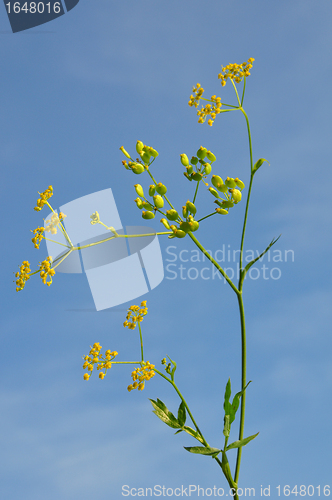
(236, 195)
(180, 234)
(172, 214)
(189, 169)
(194, 225)
(218, 203)
(230, 182)
(139, 146)
(147, 206)
(158, 201)
(214, 192)
(221, 211)
(201, 153)
(227, 204)
(194, 160)
(217, 181)
(239, 183)
(197, 176)
(184, 160)
(191, 207)
(137, 168)
(165, 222)
(207, 168)
(139, 190)
(152, 189)
(125, 152)
(210, 156)
(145, 157)
(148, 215)
(184, 211)
(139, 203)
(185, 226)
(161, 189)
(154, 153)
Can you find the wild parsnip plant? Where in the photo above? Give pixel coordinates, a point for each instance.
(226, 194)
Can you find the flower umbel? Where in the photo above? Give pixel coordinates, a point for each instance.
(235, 71)
(43, 198)
(38, 236)
(142, 373)
(22, 275)
(46, 271)
(94, 357)
(135, 315)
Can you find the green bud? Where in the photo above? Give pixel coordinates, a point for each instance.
(236, 195)
(158, 201)
(210, 156)
(227, 204)
(125, 152)
(180, 234)
(145, 157)
(217, 181)
(194, 225)
(137, 168)
(184, 211)
(214, 192)
(172, 214)
(154, 153)
(165, 222)
(139, 190)
(207, 168)
(194, 160)
(139, 146)
(189, 169)
(185, 226)
(184, 160)
(197, 176)
(230, 182)
(152, 189)
(147, 205)
(201, 153)
(139, 203)
(161, 189)
(147, 215)
(221, 211)
(191, 207)
(239, 183)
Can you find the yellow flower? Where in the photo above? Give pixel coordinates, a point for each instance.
(43, 198)
(22, 275)
(46, 271)
(142, 373)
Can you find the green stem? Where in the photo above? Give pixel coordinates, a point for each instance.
(196, 191)
(211, 259)
(141, 339)
(243, 377)
(213, 213)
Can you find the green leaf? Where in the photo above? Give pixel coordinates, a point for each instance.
(202, 450)
(161, 410)
(227, 404)
(177, 432)
(258, 164)
(235, 403)
(193, 433)
(182, 414)
(248, 266)
(242, 442)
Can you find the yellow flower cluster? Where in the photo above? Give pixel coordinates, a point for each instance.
(135, 315)
(94, 357)
(141, 374)
(23, 275)
(46, 270)
(235, 71)
(38, 236)
(43, 198)
(212, 110)
(54, 221)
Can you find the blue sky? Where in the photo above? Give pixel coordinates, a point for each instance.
(72, 92)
